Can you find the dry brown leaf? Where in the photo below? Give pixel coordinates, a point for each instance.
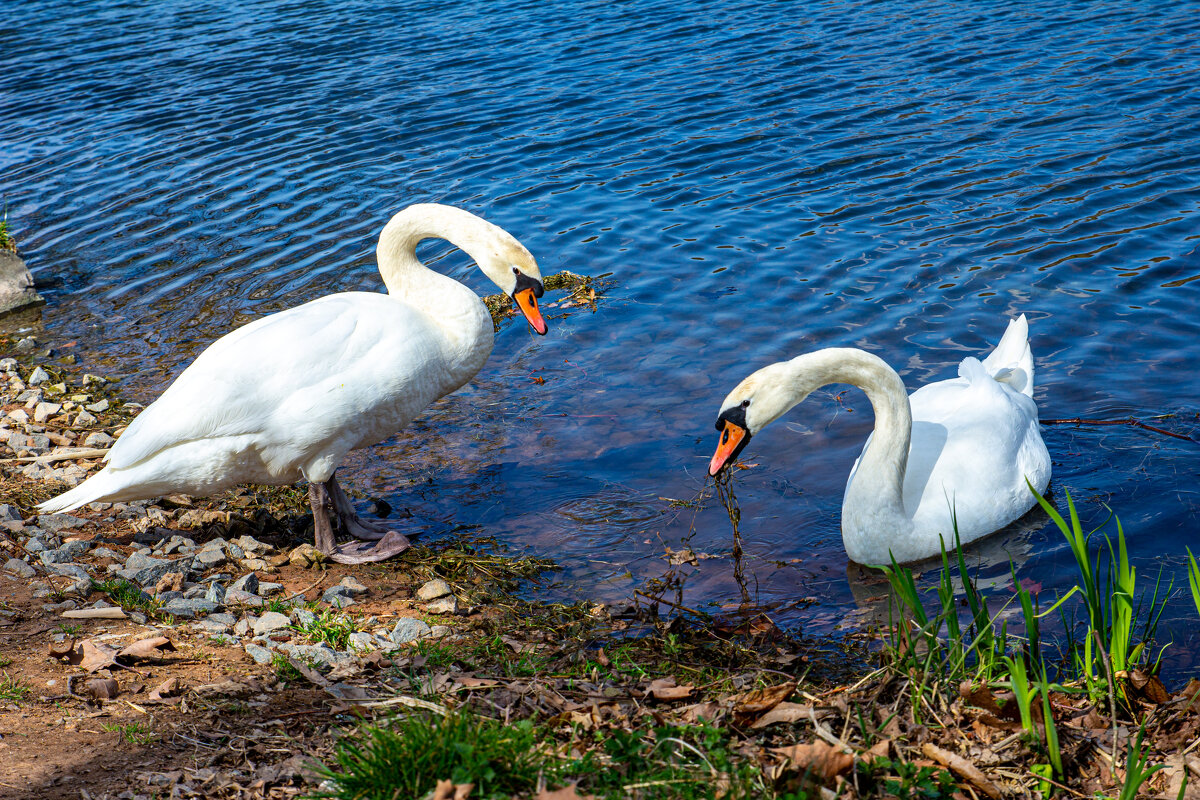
(568, 792)
(881, 749)
(964, 769)
(102, 688)
(93, 655)
(468, 682)
(979, 696)
(64, 651)
(226, 687)
(168, 688)
(748, 705)
(820, 760)
(665, 689)
(1149, 687)
(148, 649)
(783, 713)
(701, 712)
(308, 672)
(448, 790)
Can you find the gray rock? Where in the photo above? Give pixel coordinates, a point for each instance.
(140, 560)
(55, 557)
(266, 589)
(86, 418)
(270, 622)
(36, 545)
(409, 629)
(339, 601)
(242, 626)
(38, 376)
(182, 607)
(223, 639)
(147, 570)
(254, 564)
(431, 590)
(9, 512)
(214, 544)
(61, 522)
(338, 593)
(81, 587)
(234, 552)
(175, 543)
(99, 407)
(440, 632)
(303, 617)
(247, 583)
(252, 545)
(353, 585)
(75, 549)
(215, 593)
(66, 605)
(243, 598)
(16, 284)
(210, 559)
(168, 596)
(362, 641)
(320, 654)
(210, 625)
(19, 568)
(44, 411)
(223, 619)
(70, 570)
(104, 552)
(261, 655)
(443, 605)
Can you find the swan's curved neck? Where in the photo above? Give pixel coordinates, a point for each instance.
(453, 307)
(878, 483)
(402, 272)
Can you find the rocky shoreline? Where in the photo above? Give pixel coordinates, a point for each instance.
(218, 575)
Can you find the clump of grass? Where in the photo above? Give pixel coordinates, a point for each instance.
(6, 240)
(284, 671)
(126, 594)
(330, 627)
(131, 732)
(408, 757)
(12, 690)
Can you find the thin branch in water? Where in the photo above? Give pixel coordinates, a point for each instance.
(1128, 421)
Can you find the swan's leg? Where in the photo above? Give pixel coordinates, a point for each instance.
(352, 523)
(318, 498)
(324, 499)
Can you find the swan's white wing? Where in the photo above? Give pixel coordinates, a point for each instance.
(340, 372)
(975, 441)
(1012, 360)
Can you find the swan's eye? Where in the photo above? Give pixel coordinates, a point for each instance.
(745, 404)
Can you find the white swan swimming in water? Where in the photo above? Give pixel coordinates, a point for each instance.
(958, 450)
(287, 396)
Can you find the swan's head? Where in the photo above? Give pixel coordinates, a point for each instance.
(512, 268)
(757, 401)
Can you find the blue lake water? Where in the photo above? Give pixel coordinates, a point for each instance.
(760, 179)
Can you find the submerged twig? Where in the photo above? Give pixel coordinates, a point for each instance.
(1129, 421)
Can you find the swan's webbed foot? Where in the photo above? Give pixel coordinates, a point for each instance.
(330, 503)
(360, 552)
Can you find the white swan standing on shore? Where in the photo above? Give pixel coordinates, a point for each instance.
(287, 396)
(958, 450)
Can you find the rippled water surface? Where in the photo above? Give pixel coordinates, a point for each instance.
(760, 179)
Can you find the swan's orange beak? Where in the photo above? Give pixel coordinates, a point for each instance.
(527, 302)
(728, 447)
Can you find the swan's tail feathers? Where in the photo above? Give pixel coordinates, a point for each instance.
(1012, 360)
(94, 488)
